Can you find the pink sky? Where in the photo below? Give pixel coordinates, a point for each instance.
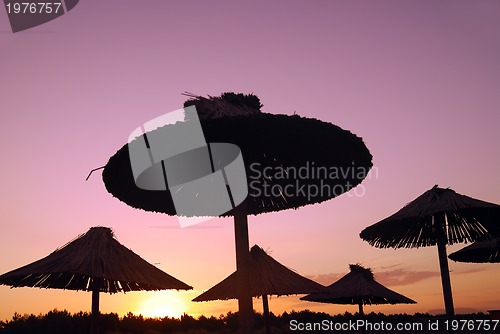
(418, 80)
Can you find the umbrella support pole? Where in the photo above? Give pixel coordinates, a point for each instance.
(443, 264)
(361, 315)
(265, 306)
(94, 325)
(245, 307)
(445, 279)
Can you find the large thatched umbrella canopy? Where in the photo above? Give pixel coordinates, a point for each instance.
(485, 251)
(274, 148)
(267, 277)
(437, 217)
(358, 287)
(289, 161)
(94, 261)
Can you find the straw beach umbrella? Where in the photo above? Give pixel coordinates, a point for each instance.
(96, 262)
(485, 251)
(275, 148)
(267, 277)
(358, 287)
(437, 217)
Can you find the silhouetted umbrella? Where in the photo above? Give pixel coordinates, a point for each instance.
(358, 287)
(479, 252)
(275, 149)
(97, 262)
(267, 277)
(332, 159)
(437, 217)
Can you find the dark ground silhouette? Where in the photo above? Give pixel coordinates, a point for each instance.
(59, 322)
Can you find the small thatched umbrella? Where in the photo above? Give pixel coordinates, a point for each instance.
(358, 287)
(97, 262)
(485, 251)
(289, 161)
(437, 217)
(267, 277)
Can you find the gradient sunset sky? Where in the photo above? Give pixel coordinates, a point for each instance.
(419, 81)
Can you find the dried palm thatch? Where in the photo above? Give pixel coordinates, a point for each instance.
(228, 104)
(97, 262)
(94, 258)
(267, 277)
(358, 287)
(485, 251)
(437, 217)
(467, 219)
(335, 159)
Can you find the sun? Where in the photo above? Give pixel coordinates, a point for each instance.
(163, 304)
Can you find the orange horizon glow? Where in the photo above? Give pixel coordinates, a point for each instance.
(174, 304)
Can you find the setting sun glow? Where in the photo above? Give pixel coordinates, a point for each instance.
(163, 304)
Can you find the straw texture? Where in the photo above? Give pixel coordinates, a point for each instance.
(269, 144)
(94, 258)
(267, 277)
(465, 219)
(358, 287)
(479, 252)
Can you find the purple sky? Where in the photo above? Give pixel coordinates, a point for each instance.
(418, 80)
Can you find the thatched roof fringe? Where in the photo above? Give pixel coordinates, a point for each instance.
(358, 286)
(268, 277)
(467, 219)
(267, 141)
(484, 251)
(95, 258)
